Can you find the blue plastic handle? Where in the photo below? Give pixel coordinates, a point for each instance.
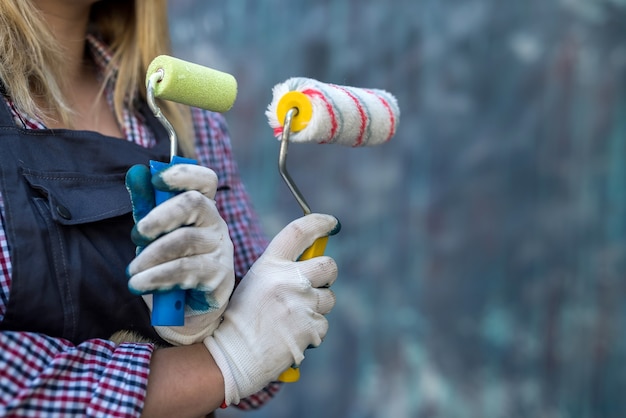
(168, 308)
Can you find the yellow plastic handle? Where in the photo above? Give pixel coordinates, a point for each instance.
(292, 374)
(315, 250)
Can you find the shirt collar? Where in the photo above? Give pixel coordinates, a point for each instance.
(99, 50)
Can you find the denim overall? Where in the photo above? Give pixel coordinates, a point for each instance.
(68, 222)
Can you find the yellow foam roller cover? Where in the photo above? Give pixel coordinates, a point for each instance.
(193, 84)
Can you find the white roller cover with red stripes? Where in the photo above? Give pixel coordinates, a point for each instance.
(341, 115)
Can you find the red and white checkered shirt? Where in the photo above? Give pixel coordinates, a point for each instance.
(43, 376)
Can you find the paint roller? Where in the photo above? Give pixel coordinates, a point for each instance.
(307, 110)
(173, 79)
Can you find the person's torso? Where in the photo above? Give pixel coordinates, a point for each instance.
(68, 219)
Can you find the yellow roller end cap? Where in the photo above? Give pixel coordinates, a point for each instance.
(300, 101)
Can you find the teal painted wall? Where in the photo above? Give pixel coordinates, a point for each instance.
(483, 249)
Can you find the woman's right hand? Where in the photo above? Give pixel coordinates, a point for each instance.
(187, 246)
(277, 311)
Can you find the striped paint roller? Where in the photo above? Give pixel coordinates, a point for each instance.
(333, 114)
(306, 110)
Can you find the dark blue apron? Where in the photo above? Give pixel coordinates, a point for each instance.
(68, 222)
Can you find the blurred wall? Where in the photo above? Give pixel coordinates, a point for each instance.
(483, 253)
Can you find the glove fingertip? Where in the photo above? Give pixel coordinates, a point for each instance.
(138, 239)
(336, 229)
(134, 290)
(183, 176)
(138, 179)
(137, 171)
(130, 286)
(160, 184)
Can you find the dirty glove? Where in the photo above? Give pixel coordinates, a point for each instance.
(277, 311)
(182, 243)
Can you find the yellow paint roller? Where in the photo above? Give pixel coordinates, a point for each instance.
(307, 110)
(173, 79)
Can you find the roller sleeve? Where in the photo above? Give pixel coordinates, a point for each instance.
(334, 114)
(192, 84)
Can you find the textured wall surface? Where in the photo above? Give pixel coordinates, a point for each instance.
(483, 249)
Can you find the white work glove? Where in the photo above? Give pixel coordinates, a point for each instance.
(182, 243)
(277, 311)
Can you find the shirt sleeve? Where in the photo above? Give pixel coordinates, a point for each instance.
(43, 376)
(214, 150)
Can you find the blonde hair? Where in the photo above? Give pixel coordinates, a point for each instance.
(30, 58)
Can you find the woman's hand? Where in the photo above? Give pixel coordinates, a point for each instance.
(277, 311)
(182, 243)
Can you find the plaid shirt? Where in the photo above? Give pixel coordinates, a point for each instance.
(43, 376)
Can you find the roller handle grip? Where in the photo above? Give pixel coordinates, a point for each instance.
(168, 308)
(292, 374)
